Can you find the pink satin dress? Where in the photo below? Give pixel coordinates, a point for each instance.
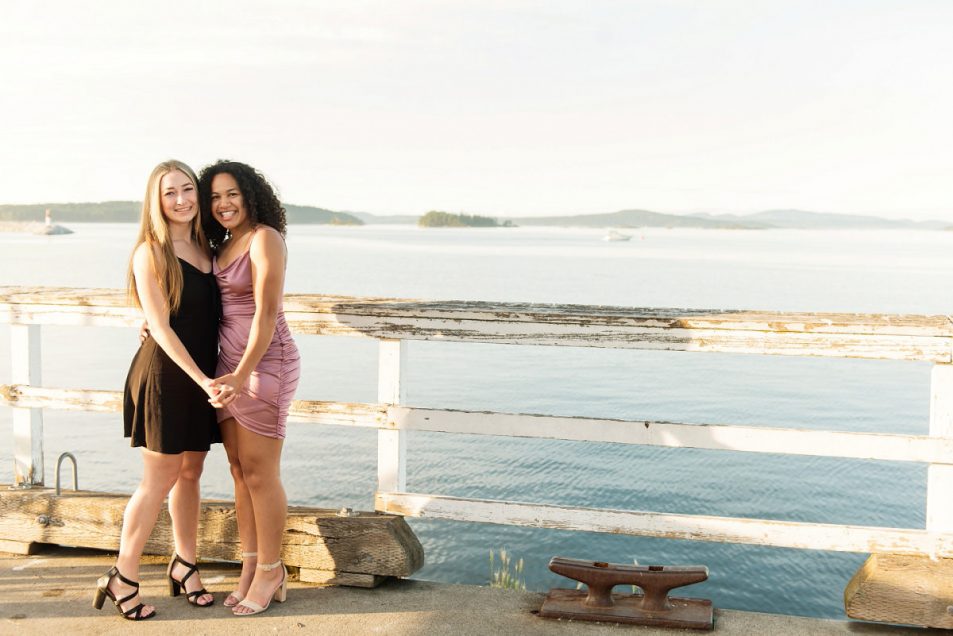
(262, 407)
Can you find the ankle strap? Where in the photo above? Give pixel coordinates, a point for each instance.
(177, 559)
(268, 567)
(114, 572)
(248, 555)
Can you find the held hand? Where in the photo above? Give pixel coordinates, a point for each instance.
(215, 393)
(143, 332)
(229, 387)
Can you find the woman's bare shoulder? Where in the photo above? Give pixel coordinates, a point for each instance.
(145, 254)
(267, 238)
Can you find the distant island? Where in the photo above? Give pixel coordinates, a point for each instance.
(128, 212)
(435, 218)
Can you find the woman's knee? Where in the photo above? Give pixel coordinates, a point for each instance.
(191, 468)
(191, 473)
(159, 480)
(237, 471)
(257, 475)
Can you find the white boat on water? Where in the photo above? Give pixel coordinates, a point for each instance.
(615, 235)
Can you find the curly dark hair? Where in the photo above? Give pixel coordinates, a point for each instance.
(261, 200)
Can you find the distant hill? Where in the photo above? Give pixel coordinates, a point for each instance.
(805, 220)
(104, 212)
(312, 215)
(637, 218)
(128, 212)
(389, 219)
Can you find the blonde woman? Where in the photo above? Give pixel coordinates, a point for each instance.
(168, 399)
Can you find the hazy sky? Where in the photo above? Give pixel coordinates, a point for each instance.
(500, 108)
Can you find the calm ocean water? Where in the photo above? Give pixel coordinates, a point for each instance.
(870, 271)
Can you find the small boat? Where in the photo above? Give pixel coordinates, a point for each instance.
(615, 235)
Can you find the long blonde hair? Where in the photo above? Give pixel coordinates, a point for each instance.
(154, 232)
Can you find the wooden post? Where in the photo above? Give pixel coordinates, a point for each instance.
(391, 444)
(939, 515)
(27, 422)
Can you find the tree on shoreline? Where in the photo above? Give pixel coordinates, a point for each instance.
(436, 218)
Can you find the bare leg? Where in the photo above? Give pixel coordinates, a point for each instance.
(184, 502)
(261, 466)
(244, 511)
(158, 476)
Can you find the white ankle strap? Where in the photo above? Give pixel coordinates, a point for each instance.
(268, 567)
(248, 555)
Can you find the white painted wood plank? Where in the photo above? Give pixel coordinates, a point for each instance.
(25, 362)
(310, 411)
(782, 441)
(784, 534)
(391, 443)
(20, 395)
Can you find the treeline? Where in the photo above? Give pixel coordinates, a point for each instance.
(104, 212)
(128, 212)
(435, 218)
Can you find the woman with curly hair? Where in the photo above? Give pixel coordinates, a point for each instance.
(258, 367)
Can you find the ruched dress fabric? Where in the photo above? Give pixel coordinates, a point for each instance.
(262, 406)
(164, 410)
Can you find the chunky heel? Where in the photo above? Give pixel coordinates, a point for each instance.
(282, 592)
(102, 591)
(177, 586)
(99, 599)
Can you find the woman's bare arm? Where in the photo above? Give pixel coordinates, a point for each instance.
(156, 309)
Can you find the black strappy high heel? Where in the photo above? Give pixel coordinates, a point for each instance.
(102, 591)
(176, 587)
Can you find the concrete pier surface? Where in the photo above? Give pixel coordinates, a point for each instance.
(51, 593)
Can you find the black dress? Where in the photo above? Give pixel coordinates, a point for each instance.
(163, 408)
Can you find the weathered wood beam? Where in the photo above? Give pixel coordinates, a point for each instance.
(901, 337)
(367, 543)
(350, 579)
(113, 302)
(18, 547)
(903, 590)
(782, 534)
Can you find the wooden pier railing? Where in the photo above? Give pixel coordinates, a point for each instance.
(393, 322)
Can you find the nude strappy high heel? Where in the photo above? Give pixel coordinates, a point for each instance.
(279, 595)
(238, 596)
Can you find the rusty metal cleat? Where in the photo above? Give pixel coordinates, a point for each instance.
(654, 607)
